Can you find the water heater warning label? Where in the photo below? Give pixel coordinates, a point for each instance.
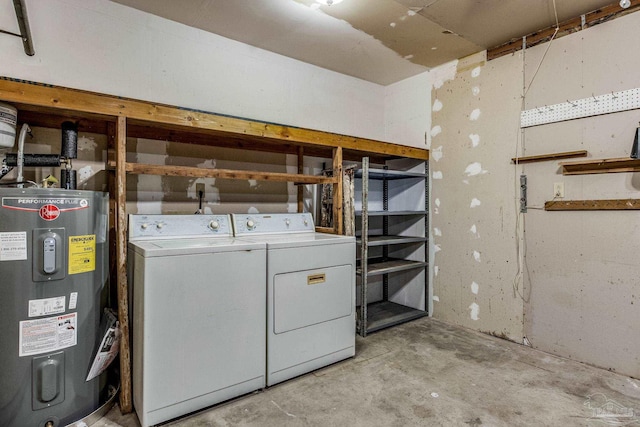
(82, 253)
(49, 334)
(13, 246)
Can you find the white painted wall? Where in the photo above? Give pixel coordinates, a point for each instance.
(102, 46)
(408, 111)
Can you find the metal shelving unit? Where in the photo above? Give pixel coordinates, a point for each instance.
(384, 313)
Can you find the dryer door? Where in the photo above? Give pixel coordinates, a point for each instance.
(309, 297)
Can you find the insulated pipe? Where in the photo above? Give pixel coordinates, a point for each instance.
(69, 145)
(23, 133)
(33, 160)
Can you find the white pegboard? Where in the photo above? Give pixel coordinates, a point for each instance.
(587, 107)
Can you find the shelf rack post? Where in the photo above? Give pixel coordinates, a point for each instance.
(385, 231)
(427, 284)
(364, 253)
(338, 223)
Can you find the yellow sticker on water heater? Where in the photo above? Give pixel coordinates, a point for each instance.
(82, 253)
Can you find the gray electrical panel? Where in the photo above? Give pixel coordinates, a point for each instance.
(53, 278)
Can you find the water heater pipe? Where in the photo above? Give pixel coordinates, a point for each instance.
(23, 133)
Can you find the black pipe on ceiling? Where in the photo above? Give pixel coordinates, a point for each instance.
(23, 24)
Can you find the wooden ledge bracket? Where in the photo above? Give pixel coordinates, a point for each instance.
(624, 164)
(593, 205)
(552, 156)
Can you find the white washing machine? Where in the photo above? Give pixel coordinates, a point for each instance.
(198, 314)
(310, 293)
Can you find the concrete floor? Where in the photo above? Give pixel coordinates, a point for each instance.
(427, 373)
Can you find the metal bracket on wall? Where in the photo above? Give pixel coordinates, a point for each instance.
(23, 23)
(523, 193)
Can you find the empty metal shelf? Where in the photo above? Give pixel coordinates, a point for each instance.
(389, 174)
(392, 240)
(384, 314)
(376, 267)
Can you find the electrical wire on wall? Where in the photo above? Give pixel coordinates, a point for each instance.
(521, 241)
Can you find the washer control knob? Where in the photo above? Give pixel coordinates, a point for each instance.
(144, 226)
(251, 225)
(287, 221)
(214, 225)
(306, 222)
(159, 226)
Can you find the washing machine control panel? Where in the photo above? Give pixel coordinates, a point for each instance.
(166, 226)
(272, 223)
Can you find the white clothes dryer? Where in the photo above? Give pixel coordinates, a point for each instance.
(310, 281)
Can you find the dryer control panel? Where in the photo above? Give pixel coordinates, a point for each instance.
(168, 226)
(279, 223)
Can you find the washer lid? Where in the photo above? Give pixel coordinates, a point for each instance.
(192, 246)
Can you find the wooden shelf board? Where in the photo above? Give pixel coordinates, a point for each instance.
(592, 205)
(552, 156)
(194, 172)
(623, 164)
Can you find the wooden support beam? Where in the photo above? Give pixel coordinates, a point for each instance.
(123, 302)
(152, 114)
(194, 172)
(338, 223)
(567, 27)
(623, 164)
(300, 188)
(552, 156)
(113, 215)
(592, 205)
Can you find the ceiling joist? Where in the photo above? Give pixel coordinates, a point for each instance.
(567, 27)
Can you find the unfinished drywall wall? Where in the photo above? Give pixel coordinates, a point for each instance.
(89, 165)
(583, 267)
(576, 273)
(475, 109)
(178, 195)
